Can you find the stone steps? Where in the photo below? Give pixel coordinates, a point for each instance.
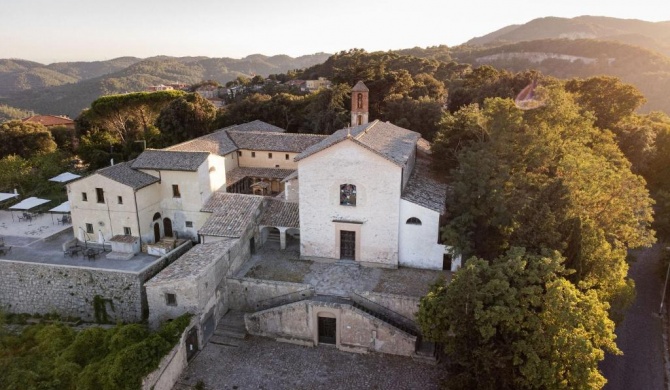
(385, 318)
(231, 327)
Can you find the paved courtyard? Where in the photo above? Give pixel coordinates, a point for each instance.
(260, 363)
(40, 241)
(338, 279)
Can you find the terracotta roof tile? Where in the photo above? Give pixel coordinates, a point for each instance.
(170, 160)
(389, 141)
(124, 174)
(281, 142)
(424, 189)
(279, 213)
(49, 120)
(231, 214)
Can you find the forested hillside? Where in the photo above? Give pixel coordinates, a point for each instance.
(649, 35)
(68, 88)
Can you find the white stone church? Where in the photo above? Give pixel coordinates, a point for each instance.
(362, 195)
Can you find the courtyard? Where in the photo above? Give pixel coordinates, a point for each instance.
(260, 363)
(337, 278)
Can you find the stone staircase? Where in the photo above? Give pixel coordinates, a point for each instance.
(231, 330)
(274, 237)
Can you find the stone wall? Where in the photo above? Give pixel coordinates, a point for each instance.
(404, 305)
(171, 366)
(356, 330)
(69, 291)
(246, 294)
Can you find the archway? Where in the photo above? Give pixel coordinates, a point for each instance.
(157, 232)
(167, 227)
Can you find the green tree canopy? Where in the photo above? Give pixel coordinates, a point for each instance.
(517, 323)
(25, 139)
(188, 116)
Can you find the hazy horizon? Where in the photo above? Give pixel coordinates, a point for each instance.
(73, 30)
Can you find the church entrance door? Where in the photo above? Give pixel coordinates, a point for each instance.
(347, 245)
(327, 327)
(167, 226)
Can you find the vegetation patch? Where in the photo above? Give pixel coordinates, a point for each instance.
(54, 356)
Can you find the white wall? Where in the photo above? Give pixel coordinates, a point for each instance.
(378, 183)
(418, 243)
(109, 217)
(262, 160)
(292, 190)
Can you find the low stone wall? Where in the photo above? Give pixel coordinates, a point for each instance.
(171, 367)
(37, 288)
(69, 291)
(404, 305)
(248, 294)
(356, 330)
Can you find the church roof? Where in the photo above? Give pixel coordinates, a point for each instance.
(360, 87)
(425, 189)
(217, 142)
(231, 214)
(256, 125)
(280, 142)
(124, 174)
(194, 263)
(279, 213)
(170, 160)
(387, 140)
(237, 174)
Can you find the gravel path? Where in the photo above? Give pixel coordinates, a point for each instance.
(261, 363)
(639, 336)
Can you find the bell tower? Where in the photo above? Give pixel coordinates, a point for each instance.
(359, 104)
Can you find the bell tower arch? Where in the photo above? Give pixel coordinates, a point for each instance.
(359, 104)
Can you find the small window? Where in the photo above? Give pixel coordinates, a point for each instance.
(348, 195)
(239, 153)
(413, 221)
(171, 299)
(287, 156)
(119, 199)
(175, 191)
(277, 166)
(269, 155)
(127, 231)
(100, 195)
(253, 154)
(189, 224)
(84, 197)
(89, 228)
(212, 169)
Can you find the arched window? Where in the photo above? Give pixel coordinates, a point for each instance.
(413, 221)
(157, 216)
(212, 169)
(360, 101)
(348, 195)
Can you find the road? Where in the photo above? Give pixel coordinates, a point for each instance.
(639, 336)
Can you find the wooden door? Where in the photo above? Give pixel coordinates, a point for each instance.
(347, 245)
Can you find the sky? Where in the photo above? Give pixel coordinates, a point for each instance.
(49, 31)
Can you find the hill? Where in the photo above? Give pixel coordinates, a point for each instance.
(67, 88)
(650, 35)
(649, 71)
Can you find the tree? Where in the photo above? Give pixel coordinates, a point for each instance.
(548, 179)
(517, 323)
(25, 139)
(607, 97)
(186, 117)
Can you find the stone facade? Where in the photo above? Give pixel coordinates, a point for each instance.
(247, 294)
(374, 217)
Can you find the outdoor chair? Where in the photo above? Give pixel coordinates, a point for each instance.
(4, 250)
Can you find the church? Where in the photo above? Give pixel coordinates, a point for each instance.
(363, 195)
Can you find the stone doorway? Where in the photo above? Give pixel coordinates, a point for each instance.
(347, 245)
(191, 343)
(167, 226)
(327, 330)
(157, 232)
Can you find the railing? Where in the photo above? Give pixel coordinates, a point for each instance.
(285, 299)
(386, 314)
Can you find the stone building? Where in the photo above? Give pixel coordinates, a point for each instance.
(361, 196)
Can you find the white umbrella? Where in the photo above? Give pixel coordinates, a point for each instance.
(64, 177)
(61, 208)
(28, 204)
